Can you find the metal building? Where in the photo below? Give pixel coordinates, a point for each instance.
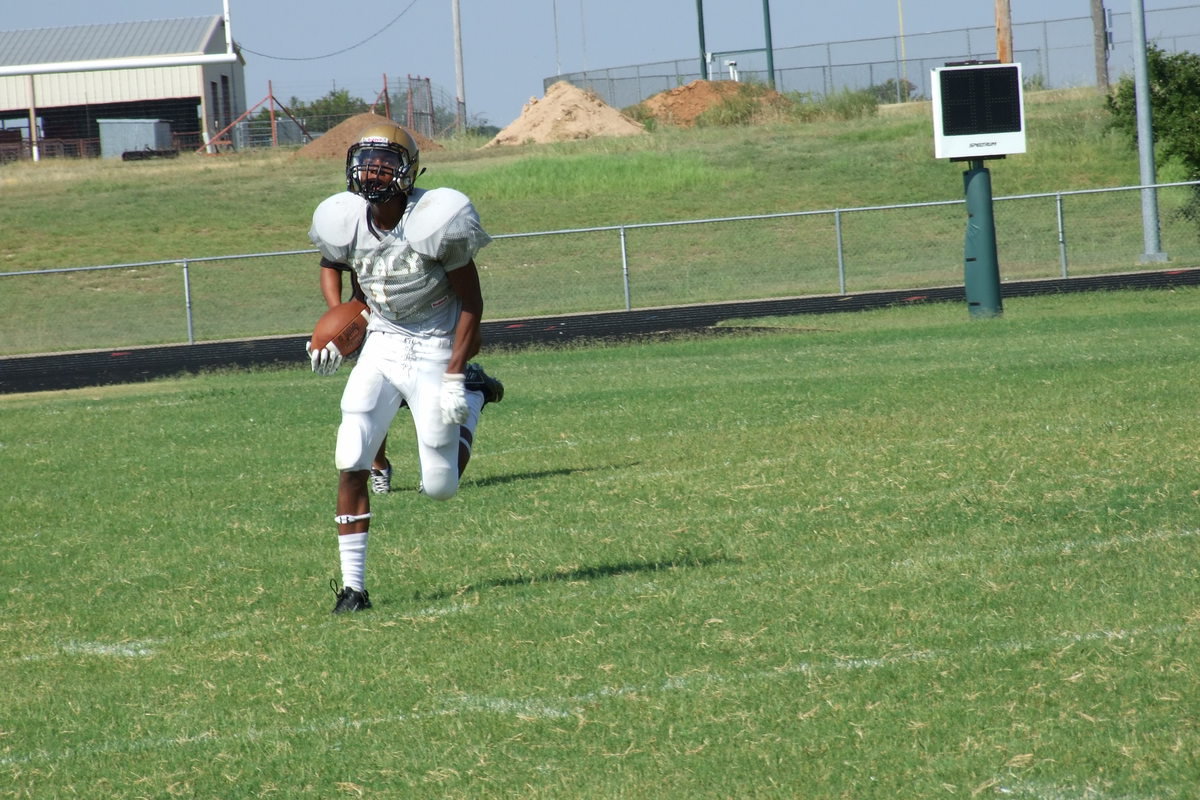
(57, 84)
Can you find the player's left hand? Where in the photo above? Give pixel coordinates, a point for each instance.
(325, 360)
(454, 398)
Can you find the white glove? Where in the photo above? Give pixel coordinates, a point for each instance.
(326, 360)
(454, 399)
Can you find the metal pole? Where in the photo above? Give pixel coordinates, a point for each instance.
(271, 113)
(981, 266)
(625, 270)
(770, 47)
(34, 150)
(583, 34)
(228, 28)
(829, 66)
(841, 251)
(130, 62)
(1062, 233)
(703, 52)
(1048, 81)
(901, 58)
(557, 58)
(187, 303)
(1145, 135)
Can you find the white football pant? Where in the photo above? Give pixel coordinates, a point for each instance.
(392, 367)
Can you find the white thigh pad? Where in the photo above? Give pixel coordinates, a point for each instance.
(369, 402)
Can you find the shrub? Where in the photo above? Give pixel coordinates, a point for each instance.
(752, 102)
(892, 92)
(851, 104)
(641, 113)
(1174, 97)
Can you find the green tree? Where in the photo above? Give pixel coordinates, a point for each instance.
(325, 112)
(1175, 113)
(892, 92)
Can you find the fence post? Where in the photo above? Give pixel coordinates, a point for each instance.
(1062, 234)
(625, 269)
(829, 66)
(187, 302)
(841, 252)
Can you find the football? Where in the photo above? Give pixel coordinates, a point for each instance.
(345, 325)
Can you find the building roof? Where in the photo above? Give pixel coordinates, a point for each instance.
(112, 40)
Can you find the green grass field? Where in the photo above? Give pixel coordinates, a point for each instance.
(894, 554)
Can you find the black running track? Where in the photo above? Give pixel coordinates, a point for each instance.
(35, 373)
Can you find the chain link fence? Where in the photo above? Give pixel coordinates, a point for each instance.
(1055, 54)
(635, 266)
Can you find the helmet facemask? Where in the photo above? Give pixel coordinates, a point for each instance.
(378, 171)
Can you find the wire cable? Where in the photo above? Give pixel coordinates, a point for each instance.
(335, 52)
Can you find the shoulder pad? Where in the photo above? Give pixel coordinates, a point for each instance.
(336, 221)
(434, 211)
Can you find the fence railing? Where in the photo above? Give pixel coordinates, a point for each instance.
(615, 267)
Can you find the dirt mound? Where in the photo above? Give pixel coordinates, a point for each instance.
(564, 114)
(335, 141)
(683, 104)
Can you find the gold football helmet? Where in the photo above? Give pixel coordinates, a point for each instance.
(383, 163)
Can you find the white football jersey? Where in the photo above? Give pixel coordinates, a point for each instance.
(402, 272)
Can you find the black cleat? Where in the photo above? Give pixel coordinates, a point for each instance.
(381, 480)
(479, 381)
(349, 599)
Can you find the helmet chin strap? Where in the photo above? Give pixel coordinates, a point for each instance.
(378, 210)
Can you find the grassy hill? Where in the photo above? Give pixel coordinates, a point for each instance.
(75, 213)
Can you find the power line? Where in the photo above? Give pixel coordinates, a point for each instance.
(335, 52)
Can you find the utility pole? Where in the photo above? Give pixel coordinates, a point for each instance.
(703, 52)
(557, 59)
(1004, 37)
(460, 111)
(1100, 43)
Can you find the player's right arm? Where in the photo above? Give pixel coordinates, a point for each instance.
(331, 282)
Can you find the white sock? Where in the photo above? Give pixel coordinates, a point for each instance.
(353, 549)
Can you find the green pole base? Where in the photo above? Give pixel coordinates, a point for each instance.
(981, 268)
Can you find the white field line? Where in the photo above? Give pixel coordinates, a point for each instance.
(1050, 548)
(1017, 789)
(572, 706)
(131, 649)
(855, 664)
(560, 707)
(147, 647)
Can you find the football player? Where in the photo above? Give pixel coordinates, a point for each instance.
(412, 252)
